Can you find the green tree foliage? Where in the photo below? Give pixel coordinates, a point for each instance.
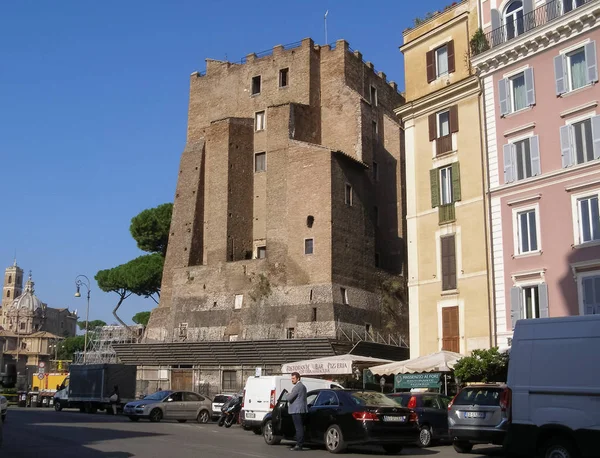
(92, 325)
(141, 318)
(69, 346)
(482, 366)
(150, 228)
(140, 276)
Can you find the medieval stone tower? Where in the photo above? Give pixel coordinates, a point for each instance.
(13, 284)
(288, 209)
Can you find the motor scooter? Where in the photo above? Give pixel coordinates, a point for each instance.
(230, 411)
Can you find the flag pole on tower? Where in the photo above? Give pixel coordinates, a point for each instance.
(325, 19)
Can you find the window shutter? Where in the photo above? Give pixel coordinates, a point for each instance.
(497, 32)
(430, 66)
(559, 74)
(530, 86)
(543, 298)
(565, 145)
(591, 62)
(453, 119)
(432, 127)
(503, 96)
(435, 188)
(534, 151)
(516, 311)
(456, 182)
(596, 135)
(528, 18)
(509, 163)
(451, 64)
(588, 295)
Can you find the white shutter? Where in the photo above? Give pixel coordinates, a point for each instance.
(509, 165)
(565, 145)
(534, 151)
(591, 62)
(596, 135)
(503, 95)
(559, 74)
(543, 299)
(530, 86)
(516, 311)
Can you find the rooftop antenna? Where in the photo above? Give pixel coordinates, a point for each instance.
(325, 19)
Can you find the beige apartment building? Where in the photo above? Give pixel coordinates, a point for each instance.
(449, 295)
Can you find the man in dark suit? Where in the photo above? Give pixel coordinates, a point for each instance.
(297, 408)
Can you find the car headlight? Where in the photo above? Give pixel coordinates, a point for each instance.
(141, 406)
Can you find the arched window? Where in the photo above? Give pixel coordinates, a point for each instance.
(513, 19)
(8, 293)
(9, 278)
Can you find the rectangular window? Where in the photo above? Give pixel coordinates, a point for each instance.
(259, 121)
(441, 61)
(368, 328)
(239, 300)
(348, 195)
(588, 219)
(373, 96)
(314, 314)
(230, 381)
(527, 232)
(446, 185)
(375, 171)
(583, 142)
(261, 252)
(531, 302)
(448, 263)
(576, 69)
(450, 329)
(290, 333)
(344, 292)
(569, 5)
(375, 130)
(518, 92)
(308, 246)
(283, 77)
(590, 287)
(523, 159)
(260, 162)
(256, 85)
(443, 123)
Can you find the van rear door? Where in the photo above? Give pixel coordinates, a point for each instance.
(258, 397)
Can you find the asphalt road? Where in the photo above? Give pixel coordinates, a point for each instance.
(33, 433)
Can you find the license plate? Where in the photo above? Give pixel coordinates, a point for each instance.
(250, 415)
(474, 414)
(393, 418)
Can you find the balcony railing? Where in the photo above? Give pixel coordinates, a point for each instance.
(513, 28)
(447, 213)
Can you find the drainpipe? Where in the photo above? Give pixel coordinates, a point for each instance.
(487, 219)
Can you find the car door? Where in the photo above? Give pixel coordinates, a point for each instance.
(435, 414)
(321, 414)
(192, 403)
(281, 420)
(173, 406)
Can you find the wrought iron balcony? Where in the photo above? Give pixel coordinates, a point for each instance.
(515, 27)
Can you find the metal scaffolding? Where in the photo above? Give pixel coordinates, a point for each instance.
(100, 345)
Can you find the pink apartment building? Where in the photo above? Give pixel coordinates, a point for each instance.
(538, 64)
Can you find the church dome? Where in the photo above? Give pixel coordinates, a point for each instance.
(27, 300)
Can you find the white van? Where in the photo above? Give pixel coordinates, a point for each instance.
(554, 378)
(261, 395)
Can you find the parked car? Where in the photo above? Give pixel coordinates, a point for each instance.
(218, 402)
(261, 394)
(432, 414)
(170, 405)
(339, 418)
(479, 414)
(553, 381)
(3, 407)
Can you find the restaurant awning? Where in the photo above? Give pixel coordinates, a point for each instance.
(441, 361)
(333, 365)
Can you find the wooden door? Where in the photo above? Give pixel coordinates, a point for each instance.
(450, 329)
(181, 379)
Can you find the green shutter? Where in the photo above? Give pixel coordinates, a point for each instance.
(455, 182)
(435, 188)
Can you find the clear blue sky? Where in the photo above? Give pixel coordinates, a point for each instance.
(93, 112)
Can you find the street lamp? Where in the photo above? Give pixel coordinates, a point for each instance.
(79, 283)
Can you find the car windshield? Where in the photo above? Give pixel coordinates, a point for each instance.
(372, 398)
(158, 396)
(481, 396)
(219, 399)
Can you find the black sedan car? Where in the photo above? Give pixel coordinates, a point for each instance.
(339, 418)
(432, 414)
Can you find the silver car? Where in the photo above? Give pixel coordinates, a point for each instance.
(218, 402)
(170, 405)
(479, 414)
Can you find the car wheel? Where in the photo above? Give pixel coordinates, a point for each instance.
(462, 447)
(203, 416)
(334, 439)
(425, 436)
(57, 406)
(268, 435)
(392, 449)
(558, 447)
(156, 415)
(134, 419)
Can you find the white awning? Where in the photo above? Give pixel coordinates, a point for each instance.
(442, 361)
(331, 365)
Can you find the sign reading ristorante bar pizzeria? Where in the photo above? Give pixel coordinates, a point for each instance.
(428, 380)
(319, 368)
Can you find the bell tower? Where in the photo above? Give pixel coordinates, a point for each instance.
(13, 284)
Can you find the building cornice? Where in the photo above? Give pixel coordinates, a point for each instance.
(433, 32)
(574, 23)
(443, 97)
